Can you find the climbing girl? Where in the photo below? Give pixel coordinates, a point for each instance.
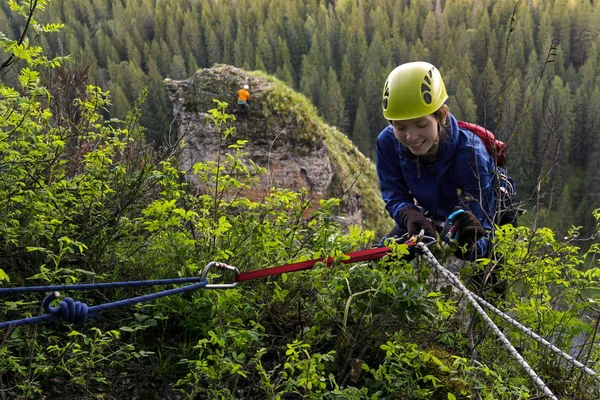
(428, 167)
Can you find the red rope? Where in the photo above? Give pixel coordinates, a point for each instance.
(356, 256)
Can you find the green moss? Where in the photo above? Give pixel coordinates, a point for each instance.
(355, 172)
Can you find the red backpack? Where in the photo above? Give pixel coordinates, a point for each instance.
(496, 148)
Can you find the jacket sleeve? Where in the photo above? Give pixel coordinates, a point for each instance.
(394, 191)
(476, 178)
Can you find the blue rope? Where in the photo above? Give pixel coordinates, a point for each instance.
(106, 285)
(77, 312)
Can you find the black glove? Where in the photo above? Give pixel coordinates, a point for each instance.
(469, 229)
(414, 221)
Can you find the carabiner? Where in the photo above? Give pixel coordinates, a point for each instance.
(221, 266)
(428, 240)
(449, 235)
(420, 238)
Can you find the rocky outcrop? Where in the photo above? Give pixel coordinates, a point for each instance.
(285, 136)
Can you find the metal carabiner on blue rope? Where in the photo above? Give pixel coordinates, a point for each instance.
(77, 312)
(223, 267)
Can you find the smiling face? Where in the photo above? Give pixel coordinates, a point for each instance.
(419, 135)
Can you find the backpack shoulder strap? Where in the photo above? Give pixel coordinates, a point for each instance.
(496, 148)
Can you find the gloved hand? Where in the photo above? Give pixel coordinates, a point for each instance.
(468, 227)
(414, 221)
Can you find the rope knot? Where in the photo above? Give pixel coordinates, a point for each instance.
(69, 310)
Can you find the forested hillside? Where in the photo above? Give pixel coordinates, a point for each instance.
(525, 69)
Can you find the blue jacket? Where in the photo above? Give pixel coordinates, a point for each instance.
(463, 175)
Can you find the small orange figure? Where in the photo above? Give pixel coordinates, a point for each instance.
(242, 103)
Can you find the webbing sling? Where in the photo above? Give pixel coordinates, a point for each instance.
(356, 256)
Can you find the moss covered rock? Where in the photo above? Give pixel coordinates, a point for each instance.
(285, 136)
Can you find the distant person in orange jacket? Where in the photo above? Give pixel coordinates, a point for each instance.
(242, 103)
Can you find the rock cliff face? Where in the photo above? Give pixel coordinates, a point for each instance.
(285, 136)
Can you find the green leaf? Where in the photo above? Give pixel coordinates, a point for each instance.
(3, 276)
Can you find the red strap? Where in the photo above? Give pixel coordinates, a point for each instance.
(494, 147)
(361, 255)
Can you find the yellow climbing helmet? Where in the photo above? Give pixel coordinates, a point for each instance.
(413, 90)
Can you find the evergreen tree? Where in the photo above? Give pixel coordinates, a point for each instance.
(409, 27)
(191, 65)
(371, 89)
(228, 43)
(320, 101)
(238, 47)
(419, 52)
(145, 19)
(177, 70)
(283, 61)
(591, 196)
(311, 76)
(258, 63)
(106, 50)
(430, 37)
(376, 53)
(462, 101)
(213, 47)
(525, 35)
(192, 38)
(158, 113)
(544, 37)
(361, 133)
(334, 105)
(349, 90)
(119, 103)
(561, 24)
(264, 50)
(172, 35)
(133, 54)
(249, 58)
(586, 110)
(295, 40)
(165, 58)
(522, 164)
(284, 73)
(489, 91)
(136, 80)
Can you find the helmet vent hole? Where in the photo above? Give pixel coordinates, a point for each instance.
(430, 73)
(386, 95)
(424, 88)
(427, 97)
(426, 79)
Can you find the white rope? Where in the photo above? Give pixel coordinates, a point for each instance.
(534, 335)
(430, 258)
(537, 337)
